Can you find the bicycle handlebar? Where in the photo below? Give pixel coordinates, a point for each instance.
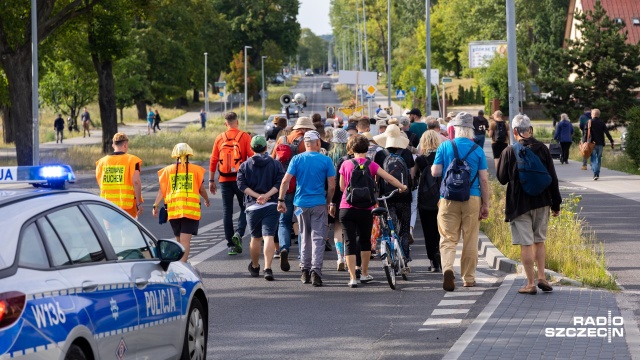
(388, 196)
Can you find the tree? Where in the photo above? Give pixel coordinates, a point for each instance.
(67, 88)
(312, 50)
(15, 47)
(131, 81)
(235, 76)
(602, 65)
(479, 99)
(633, 133)
(494, 81)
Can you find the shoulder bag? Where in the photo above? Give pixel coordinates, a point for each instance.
(586, 147)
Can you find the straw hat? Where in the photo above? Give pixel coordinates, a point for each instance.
(392, 138)
(382, 115)
(304, 123)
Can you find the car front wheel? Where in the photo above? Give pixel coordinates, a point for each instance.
(195, 336)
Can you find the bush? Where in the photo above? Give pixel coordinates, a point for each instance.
(577, 135)
(632, 117)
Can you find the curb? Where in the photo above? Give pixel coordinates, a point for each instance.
(496, 259)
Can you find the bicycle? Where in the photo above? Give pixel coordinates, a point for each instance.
(391, 253)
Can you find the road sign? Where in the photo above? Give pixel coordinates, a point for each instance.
(400, 94)
(371, 90)
(369, 96)
(220, 84)
(435, 76)
(413, 89)
(264, 93)
(221, 94)
(447, 80)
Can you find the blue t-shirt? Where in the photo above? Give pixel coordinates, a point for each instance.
(311, 170)
(151, 116)
(477, 160)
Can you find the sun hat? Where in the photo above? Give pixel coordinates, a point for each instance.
(311, 135)
(340, 136)
(304, 123)
(392, 137)
(463, 119)
(382, 115)
(381, 123)
(355, 116)
(404, 121)
(258, 143)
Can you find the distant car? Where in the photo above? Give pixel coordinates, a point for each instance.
(623, 140)
(279, 79)
(326, 85)
(329, 73)
(308, 72)
(81, 279)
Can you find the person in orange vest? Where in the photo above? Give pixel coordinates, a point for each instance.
(118, 176)
(181, 188)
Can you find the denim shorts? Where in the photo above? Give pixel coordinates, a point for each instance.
(263, 221)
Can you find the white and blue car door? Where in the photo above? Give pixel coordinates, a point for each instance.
(101, 288)
(159, 301)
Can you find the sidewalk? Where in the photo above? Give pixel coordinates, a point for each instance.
(571, 322)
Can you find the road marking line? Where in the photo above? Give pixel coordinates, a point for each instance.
(212, 251)
(431, 322)
(437, 312)
(215, 224)
(459, 293)
(458, 348)
(456, 302)
(423, 329)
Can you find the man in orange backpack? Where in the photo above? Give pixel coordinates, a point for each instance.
(230, 150)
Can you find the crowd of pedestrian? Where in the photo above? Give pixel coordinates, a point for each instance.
(319, 176)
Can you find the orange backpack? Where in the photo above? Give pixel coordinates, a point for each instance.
(230, 156)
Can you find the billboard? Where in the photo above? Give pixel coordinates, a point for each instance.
(358, 77)
(482, 51)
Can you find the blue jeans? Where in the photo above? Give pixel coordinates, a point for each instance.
(596, 159)
(478, 139)
(285, 224)
(228, 190)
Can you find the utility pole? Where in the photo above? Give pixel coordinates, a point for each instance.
(245, 85)
(389, 53)
(428, 46)
(512, 61)
(34, 84)
(206, 88)
(366, 48)
(263, 95)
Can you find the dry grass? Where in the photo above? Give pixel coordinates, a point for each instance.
(571, 247)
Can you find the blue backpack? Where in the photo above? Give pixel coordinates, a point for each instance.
(534, 176)
(455, 184)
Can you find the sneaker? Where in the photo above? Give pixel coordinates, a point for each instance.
(276, 255)
(431, 266)
(315, 279)
(353, 283)
(305, 278)
(284, 260)
(584, 167)
(254, 271)
(237, 241)
(231, 250)
(365, 278)
(268, 274)
(595, 177)
(341, 265)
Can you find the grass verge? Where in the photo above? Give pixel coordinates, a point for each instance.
(571, 247)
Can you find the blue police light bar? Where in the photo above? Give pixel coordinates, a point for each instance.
(52, 176)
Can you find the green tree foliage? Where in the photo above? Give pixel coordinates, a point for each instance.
(235, 76)
(602, 65)
(494, 81)
(479, 99)
(132, 84)
(312, 50)
(633, 133)
(67, 87)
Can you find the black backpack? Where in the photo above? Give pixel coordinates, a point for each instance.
(456, 185)
(361, 189)
(501, 131)
(428, 188)
(395, 165)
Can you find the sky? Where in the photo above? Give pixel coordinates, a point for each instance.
(314, 14)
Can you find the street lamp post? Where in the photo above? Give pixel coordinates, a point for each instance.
(34, 84)
(389, 53)
(206, 87)
(512, 62)
(428, 46)
(263, 95)
(245, 85)
(366, 48)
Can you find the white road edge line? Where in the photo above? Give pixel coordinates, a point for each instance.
(458, 348)
(212, 251)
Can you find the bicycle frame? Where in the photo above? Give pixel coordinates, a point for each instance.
(388, 233)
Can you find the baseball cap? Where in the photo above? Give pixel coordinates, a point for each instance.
(415, 111)
(120, 137)
(258, 143)
(311, 135)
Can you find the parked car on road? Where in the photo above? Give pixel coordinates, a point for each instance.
(326, 85)
(308, 72)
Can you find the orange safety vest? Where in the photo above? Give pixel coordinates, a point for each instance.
(182, 197)
(115, 179)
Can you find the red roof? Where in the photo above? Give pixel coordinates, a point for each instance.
(627, 10)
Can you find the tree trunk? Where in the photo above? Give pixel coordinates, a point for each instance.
(196, 95)
(20, 114)
(106, 101)
(121, 116)
(142, 110)
(7, 125)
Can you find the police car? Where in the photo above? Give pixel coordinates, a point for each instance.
(81, 279)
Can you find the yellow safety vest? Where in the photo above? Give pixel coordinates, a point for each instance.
(182, 196)
(114, 174)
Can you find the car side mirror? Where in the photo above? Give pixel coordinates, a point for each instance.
(169, 251)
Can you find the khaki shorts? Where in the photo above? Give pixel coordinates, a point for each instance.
(530, 227)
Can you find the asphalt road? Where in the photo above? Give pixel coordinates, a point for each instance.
(251, 318)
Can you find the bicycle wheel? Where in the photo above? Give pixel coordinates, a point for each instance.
(389, 268)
